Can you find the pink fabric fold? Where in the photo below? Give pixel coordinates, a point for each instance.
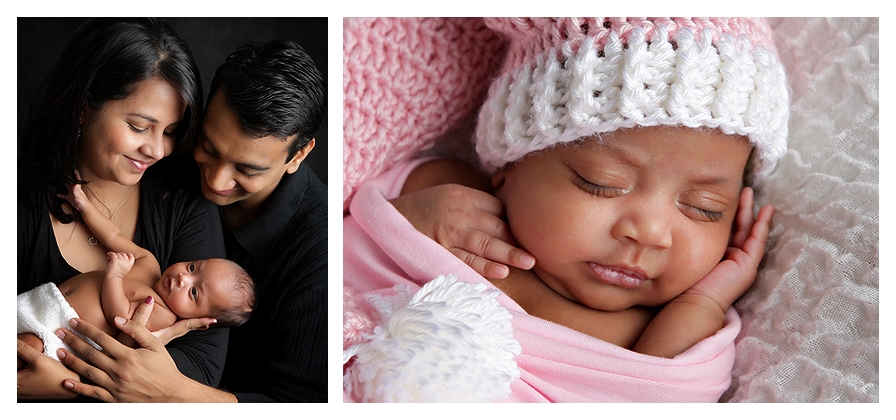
(381, 249)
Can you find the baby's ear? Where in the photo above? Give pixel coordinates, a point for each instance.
(498, 179)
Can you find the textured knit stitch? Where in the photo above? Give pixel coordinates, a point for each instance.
(406, 82)
(569, 78)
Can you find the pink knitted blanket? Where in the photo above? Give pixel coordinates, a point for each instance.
(382, 250)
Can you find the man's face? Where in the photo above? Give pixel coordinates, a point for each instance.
(236, 168)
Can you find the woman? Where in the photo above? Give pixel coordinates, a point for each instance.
(124, 94)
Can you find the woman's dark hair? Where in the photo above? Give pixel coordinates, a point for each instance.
(275, 89)
(103, 60)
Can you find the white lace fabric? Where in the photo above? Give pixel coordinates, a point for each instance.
(811, 321)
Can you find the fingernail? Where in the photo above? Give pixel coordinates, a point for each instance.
(148, 300)
(60, 334)
(214, 321)
(528, 261)
(502, 271)
(68, 385)
(119, 320)
(60, 354)
(73, 322)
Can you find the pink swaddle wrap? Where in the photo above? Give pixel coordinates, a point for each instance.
(381, 250)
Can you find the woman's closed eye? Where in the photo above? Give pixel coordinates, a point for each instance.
(138, 130)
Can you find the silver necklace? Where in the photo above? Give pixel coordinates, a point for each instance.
(92, 239)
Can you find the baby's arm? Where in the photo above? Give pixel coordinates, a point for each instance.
(114, 299)
(105, 229)
(699, 312)
(108, 233)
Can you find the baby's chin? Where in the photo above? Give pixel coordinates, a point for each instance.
(612, 298)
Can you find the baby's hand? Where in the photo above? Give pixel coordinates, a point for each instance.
(120, 263)
(736, 273)
(467, 222)
(76, 196)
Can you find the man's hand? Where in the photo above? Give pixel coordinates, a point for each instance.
(467, 222)
(182, 327)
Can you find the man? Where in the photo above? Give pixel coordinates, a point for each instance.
(265, 104)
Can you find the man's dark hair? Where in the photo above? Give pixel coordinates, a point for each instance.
(275, 89)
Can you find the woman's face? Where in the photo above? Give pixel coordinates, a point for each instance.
(126, 136)
(633, 219)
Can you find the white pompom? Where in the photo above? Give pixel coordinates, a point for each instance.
(450, 342)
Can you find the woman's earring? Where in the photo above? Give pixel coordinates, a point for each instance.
(79, 133)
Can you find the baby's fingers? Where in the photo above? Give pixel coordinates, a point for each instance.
(495, 249)
(485, 268)
(754, 245)
(744, 219)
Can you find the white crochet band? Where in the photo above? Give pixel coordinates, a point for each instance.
(583, 90)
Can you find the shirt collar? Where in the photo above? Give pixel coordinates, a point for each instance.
(259, 234)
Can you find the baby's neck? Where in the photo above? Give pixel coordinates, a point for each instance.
(622, 328)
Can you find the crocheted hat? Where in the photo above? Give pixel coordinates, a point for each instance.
(567, 78)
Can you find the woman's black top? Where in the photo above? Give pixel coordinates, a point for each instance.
(175, 226)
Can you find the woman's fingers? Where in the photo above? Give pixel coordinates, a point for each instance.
(102, 359)
(141, 314)
(86, 390)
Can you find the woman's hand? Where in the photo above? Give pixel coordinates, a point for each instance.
(467, 222)
(41, 377)
(178, 329)
(122, 374)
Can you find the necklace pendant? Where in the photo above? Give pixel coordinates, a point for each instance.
(92, 241)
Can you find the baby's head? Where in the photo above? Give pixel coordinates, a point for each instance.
(212, 288)
(620, 147)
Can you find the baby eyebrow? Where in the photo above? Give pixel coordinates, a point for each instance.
(720, 180)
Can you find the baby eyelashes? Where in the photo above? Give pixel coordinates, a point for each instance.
(692, 210)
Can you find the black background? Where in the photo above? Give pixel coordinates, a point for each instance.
(40, 41)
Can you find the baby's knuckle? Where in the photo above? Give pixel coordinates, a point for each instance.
(482, 243)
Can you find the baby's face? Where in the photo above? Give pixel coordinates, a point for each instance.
(633, 219)
(193, 289)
